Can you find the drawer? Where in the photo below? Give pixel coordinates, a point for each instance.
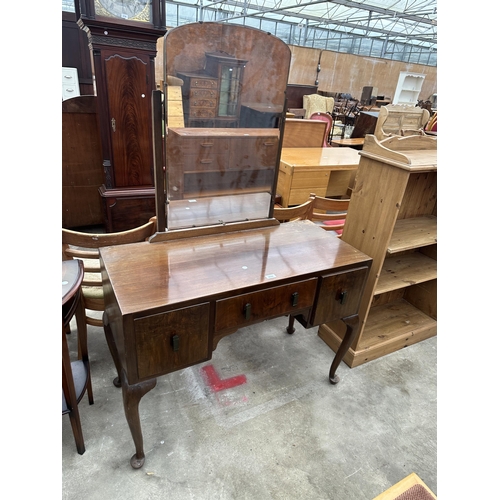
(200, 163)
(203, 94)
(253, 151)
(71, 90)
(201, 147)
(69, 76)
(169, 341)
(207, 112)
(242, 310)
(339, 295)
(202, 102)
(205, 83)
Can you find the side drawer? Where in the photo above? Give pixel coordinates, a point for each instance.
(169, 341)
(196, 146)
(237, 312)
(251, 152)
(198, 93)
(339, 295)
(204, 83)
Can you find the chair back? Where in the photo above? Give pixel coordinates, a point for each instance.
(85, 246)
(329, 213)
(325, 117)
(299, 133)
(299, 212)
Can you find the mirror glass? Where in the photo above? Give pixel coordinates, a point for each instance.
(224, 100)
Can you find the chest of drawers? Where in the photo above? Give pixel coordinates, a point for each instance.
(212, 162)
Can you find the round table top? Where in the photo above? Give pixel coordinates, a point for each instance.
(72, 277)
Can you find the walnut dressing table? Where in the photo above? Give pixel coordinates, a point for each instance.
(219, 260)
(169, 303)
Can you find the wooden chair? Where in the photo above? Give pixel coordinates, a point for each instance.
(299, 212)
(325, 117)
(85, 246)
(329, 213)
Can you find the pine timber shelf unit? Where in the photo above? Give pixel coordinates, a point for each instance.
(392, 218)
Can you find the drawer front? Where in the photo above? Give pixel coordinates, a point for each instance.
(205, 83)
(69, 91)
(169, 341)
(201, 163)
(203, 94)
(202, 147)
(252, 152)
(202, 102)
(339, 295)
(70, 76)
(201, 112)
(237, 312)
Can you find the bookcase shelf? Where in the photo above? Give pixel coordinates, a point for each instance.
(392, 217)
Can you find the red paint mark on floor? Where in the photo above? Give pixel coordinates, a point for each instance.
(217, 384)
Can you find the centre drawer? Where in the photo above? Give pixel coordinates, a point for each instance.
(242, 310)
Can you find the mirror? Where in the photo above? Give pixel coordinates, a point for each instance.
(224, 109)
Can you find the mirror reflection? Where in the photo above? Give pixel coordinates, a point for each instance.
(224, 105)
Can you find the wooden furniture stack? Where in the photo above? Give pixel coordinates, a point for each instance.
(392, 217)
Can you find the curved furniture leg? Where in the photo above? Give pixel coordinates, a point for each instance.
(352, 323)
(112, 349)
(132, 395)
(290, 329)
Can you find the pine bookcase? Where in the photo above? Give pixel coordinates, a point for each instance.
(392, 217)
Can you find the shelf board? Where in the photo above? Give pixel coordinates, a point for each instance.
(395, 323)
(413, 233)
(405, 270)
(389, 328)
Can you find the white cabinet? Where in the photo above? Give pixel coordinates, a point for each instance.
(408, 88)
(70, 84)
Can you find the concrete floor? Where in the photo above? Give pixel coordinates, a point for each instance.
(285, 433)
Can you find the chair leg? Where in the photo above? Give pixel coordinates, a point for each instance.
(76, 425)
(81, 325)
(68, 387)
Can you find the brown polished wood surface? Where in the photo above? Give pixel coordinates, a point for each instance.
(169, 303)
(146, 276)
(322, 171)
(344, 158)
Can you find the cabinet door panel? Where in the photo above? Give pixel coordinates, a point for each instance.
(339, 295)
(246, 309)
(173, 340)
(129, 105)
